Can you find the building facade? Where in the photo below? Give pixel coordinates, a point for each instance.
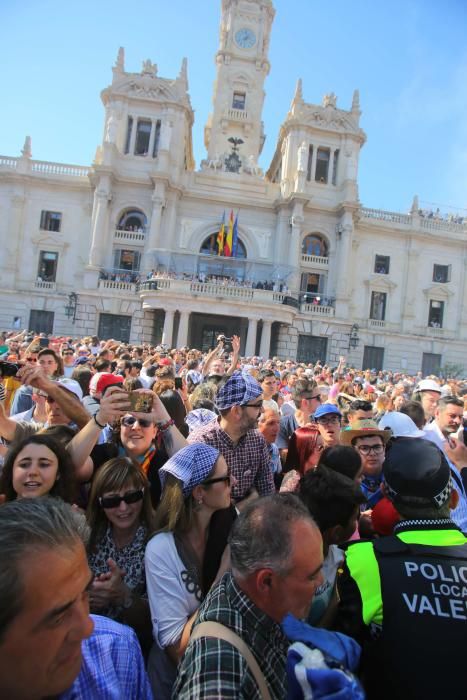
(129, 247)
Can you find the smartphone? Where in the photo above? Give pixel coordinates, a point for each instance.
(178, 383)
(44, 342)
(140, 403)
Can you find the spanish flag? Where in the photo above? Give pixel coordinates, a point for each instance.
(220, 236)
(229, 237)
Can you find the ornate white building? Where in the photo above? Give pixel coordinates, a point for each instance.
(316, 274)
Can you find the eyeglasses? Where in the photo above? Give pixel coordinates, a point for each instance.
(227, 479)
(366, 449)
(68, 354)
(129, 497)
(327, 420)
(31, 359)
(129, 421)
(313, 398)
(258, 404)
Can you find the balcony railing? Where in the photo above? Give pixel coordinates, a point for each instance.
(315, 260)
(110, 285)
(131, 237)
(44, 167)
(317, 310)
(239, 115)
(218, 291)
(390, 216)
(49, 286)
(376, 323)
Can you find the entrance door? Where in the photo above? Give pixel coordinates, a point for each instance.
(114, 326)
(209, 337)
(373, 357)
(41, 321)
(431, 364)
(311, 348)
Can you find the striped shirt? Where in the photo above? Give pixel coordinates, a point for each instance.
(212, 668)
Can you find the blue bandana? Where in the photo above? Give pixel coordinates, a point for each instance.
(191, 465)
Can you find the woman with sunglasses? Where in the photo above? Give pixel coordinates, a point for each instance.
(147, 438)
(196, 484)
(305, 447)
(121, 519)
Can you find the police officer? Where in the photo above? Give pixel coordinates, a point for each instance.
(418, 577)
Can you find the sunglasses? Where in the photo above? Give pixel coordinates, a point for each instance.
(31, 359)
(226, 479)
(258, 404)
(68, 354)
(129, 421)
(313, 398)
(129, 497)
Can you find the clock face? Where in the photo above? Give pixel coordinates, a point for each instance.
(245, 38)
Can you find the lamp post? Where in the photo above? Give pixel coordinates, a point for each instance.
(70, 308)
(353, 337)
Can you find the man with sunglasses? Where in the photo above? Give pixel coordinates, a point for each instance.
(306, 399)
(68, 357)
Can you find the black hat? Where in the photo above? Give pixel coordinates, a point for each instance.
(415, 467)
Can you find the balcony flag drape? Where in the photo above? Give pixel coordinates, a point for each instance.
(235, 237)
(229, 237)
(220, 236)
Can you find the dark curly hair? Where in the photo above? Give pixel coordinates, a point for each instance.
(65, 487)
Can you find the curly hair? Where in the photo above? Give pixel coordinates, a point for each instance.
(65, 487)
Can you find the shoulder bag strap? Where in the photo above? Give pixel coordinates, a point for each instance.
(218, 631)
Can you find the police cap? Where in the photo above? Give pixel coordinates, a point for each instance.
(415, 467)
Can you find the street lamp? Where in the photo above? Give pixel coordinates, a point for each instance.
(70, 308)
(353, 337)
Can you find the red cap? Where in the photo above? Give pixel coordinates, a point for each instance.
(101, 380)
(384, 516)
(165, 361)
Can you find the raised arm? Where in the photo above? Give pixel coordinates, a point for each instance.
(235, 355)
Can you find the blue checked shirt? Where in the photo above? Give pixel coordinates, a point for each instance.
(112, 667)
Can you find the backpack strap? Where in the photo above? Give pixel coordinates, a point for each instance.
(218, 631)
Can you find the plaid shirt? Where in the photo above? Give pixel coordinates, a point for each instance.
(112, 665)
(212, 668)
(248, 460)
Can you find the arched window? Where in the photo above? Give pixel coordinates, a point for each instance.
(314, 244)
(210, 246)
(132, 220)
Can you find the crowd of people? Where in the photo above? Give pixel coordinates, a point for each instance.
(438, 216)
(128, 276)
(221, 280)
(179, 524)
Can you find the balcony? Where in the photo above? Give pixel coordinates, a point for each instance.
(315, 261)
(238, 115)
(119, 287)
(130, 237)
(202, 296)
(376, 323)
(119, 281)
(45, 286)
(317, 310)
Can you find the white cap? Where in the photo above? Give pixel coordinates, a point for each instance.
(428, 385)
(71, 385)
(400, 424)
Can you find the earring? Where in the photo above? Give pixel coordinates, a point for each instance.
(200, 501)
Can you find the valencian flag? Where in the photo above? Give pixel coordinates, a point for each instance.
(220, 236)
(229, 237)
(235, 238)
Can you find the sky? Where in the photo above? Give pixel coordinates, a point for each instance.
(408, 58)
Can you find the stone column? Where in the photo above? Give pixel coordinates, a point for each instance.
(12, 244)
(344, 253)
(168, 330)
(314, 156)
(251, 337)
(134, 125)
(265, 346)
(294, 252)
(409, 300)
(99, 225)
(151, 138)
(182, 337)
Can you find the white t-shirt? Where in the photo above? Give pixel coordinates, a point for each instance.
(323, 593)
(172, 591)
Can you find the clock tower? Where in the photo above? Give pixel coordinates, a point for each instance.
(234, 134)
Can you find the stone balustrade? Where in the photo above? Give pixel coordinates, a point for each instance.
(238, 114)
(315, 260)
(44, 167)
(132, 237)
(49, 286)
(317, 310)
(390, 216)
(111, 285)
(9, 163)
(376, 323)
